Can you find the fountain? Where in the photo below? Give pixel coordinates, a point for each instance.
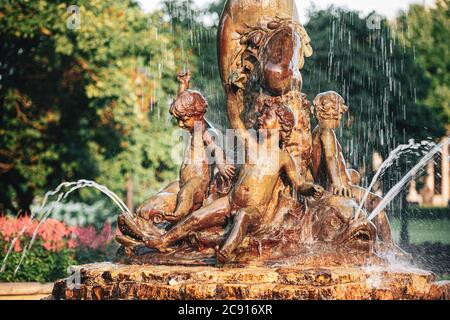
(283, 224)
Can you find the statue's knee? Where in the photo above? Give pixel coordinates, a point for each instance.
(185, 197)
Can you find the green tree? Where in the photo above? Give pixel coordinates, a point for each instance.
(83, 101)
(195, 29)
(427, 30)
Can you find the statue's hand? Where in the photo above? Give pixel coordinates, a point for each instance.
(184, 77)
(311, 190)
(223, 256)
(342, 191)
(227, 171)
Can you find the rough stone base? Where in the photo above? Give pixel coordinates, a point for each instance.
(115, 281)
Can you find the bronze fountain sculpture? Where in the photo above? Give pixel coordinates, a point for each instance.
(292, 202)
(271, 210)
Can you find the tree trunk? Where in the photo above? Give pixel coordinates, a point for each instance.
(130, 193)
(25, 200)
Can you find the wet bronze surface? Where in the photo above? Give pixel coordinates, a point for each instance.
(274, 207)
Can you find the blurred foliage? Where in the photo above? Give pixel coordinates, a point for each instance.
(427, 31)
(425, 213)
(81, 214)
(423, 230)
(196, 30)
(57, 246)
(85, 255)
(83, 103)
(40, 265)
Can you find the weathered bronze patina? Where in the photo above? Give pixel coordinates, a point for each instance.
(296, 203)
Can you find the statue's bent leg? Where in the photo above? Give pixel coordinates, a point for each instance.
(242, 220)
(156, 207)
(189, 198)
(211, 216)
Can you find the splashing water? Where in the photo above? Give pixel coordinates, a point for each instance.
(399, 186)
(394, 155)
(62, 195)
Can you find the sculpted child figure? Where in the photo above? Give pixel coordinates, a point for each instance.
(328, 163)
(188, 109)
(248, 200)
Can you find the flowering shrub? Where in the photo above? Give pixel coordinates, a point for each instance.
(53, 234)
(56, 247)
(95, 246)
(89, 238)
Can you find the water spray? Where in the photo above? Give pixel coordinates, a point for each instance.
(399, 186)
(394, 155)
(62, 195)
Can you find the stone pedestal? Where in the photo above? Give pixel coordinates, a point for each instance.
(116, 281)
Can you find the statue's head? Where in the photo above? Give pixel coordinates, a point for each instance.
(188, 108)
(277, 116)
(328, 107)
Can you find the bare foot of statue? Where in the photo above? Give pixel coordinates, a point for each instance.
(156, 243)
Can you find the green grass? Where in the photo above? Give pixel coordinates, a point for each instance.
(443, 277)
(424, 230)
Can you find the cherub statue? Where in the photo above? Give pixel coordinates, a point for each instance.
(328, 164)
(188, 109)
(248, 201)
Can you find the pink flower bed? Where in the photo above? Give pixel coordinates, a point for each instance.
(89, 238)
(54, 235)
